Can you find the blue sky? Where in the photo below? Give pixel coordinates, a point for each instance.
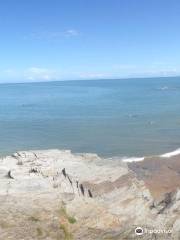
(44, 40)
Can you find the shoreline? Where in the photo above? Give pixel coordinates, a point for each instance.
(127, 159)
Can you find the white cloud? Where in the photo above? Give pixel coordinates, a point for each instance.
(71, 33)
(145, 70)
(166, 72)
(52, 35)
(36, 73)
(90, 75)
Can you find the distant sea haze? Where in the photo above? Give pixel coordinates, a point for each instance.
(126, 118)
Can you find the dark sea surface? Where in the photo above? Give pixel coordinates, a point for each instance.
(128, 117)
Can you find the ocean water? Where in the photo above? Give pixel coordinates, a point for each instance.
(130, 117)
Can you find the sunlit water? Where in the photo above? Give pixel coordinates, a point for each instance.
(134, 117)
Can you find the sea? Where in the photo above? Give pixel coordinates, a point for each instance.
(113, 118)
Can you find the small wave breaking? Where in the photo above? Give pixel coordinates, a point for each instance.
(139, 159)
(133, 159)
(171, 154)
(164, 88)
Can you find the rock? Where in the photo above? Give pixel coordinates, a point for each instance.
(38, 201)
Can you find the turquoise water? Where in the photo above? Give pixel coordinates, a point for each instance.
(133, 117)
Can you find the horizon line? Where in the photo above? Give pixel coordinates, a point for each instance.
(91, 79)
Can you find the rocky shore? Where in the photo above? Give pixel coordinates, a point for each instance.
(53, 194)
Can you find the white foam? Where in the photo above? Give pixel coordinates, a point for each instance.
(164, 88)
(171, 154)
(133, 159)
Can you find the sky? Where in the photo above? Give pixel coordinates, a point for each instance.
(45, 40)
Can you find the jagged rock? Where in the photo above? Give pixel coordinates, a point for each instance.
(121, 198)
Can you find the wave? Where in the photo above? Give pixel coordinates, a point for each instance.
(163, 88)
(139, 159)
(133, 159)
(171, 154)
